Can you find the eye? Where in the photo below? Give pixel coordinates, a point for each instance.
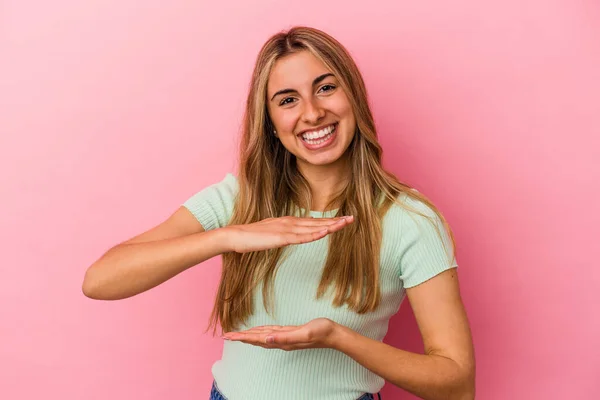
(287, 100)
(327, 87)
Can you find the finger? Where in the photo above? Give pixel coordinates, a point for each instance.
(286, 328)
(251, 338)
(312, 236)
(253, 330)
(292, 338)
(334, 227)
(317, 221)
(238, 336)
(316, 229)
(275, 327)
(308, 237)
(269, 326)
(256, 329)
(261, 329)
(254, 343)
(309, 229)
(338, 226)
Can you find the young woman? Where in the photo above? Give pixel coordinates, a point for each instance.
(320, 246)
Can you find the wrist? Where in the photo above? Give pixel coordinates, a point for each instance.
(338, 336)
(223, 238)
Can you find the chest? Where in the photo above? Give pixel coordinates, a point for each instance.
(298, 277)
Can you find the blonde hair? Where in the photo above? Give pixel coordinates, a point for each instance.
(271, 186)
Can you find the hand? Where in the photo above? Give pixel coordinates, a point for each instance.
(272, 233)
(318, 333)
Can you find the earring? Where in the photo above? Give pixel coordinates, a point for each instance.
(275, 132)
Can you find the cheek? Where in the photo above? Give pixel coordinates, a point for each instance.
(284, 121)
(342, 107)
(288, 122)
(347, 116)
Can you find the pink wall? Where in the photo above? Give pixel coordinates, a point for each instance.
(113, 112)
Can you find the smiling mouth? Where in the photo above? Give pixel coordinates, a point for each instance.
(320, 136)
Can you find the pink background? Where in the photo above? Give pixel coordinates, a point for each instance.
(112, 113)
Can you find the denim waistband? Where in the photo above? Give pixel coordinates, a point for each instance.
(216, 395)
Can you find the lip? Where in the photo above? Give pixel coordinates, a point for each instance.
(324, 145)
(316, 129)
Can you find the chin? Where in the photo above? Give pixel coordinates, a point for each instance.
(324, 158)
(321, 163)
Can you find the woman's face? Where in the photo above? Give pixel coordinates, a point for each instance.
(311, 112)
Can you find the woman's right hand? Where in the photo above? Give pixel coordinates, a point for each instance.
(272, 233)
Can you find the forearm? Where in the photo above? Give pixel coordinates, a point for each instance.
(132, 268)
(427, 376)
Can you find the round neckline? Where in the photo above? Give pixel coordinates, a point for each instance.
(322, 214)
(317, 214)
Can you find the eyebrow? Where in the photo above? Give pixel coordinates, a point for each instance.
(317, 80)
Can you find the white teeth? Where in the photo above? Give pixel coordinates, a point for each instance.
(310, 136)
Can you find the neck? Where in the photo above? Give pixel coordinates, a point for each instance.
(325, 181)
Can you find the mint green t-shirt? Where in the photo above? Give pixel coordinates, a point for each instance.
(411, 253)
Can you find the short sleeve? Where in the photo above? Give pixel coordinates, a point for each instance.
(423, 253)
(213, 205)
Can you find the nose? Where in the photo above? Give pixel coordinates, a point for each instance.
(312, 112)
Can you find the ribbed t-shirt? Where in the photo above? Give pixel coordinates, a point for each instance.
(411, 253)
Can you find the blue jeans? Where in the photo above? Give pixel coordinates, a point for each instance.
(216, 395)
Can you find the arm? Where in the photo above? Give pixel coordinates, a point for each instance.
(180, 242)
(151, 258)
(447, 369)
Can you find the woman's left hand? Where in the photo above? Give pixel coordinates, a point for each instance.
(317, 333)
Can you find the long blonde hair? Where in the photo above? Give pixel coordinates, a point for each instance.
(270, 186)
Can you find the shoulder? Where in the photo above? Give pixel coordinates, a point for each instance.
(412, 221)
(409, 212)
(213, 205)
(225, 189)
(228, 185)
(422, 245)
